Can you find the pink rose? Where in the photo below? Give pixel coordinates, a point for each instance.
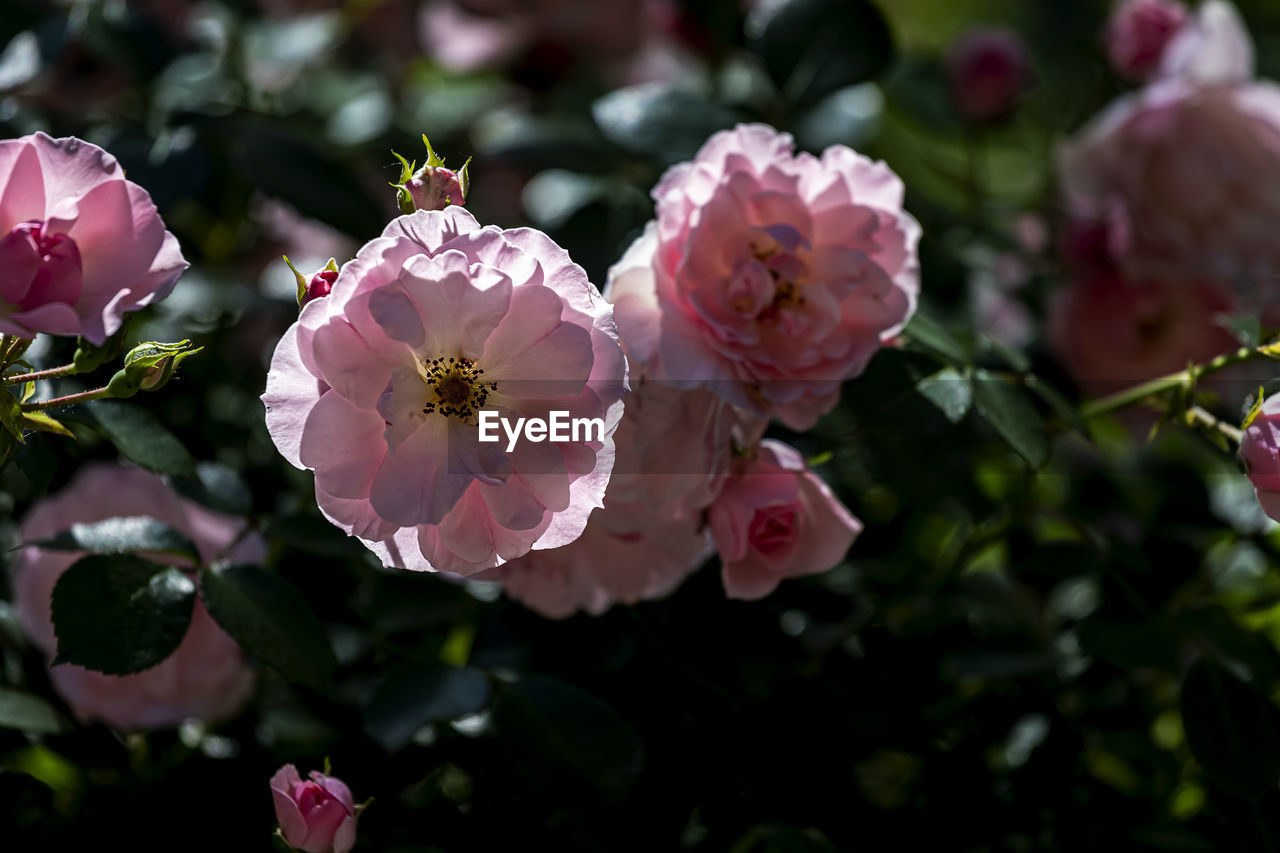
(776, 519)
(1260, 450)
(316, 815)
(378, 388)
(627, 554)
(988, 72)
(776, 276)
(1111, 333)
(80, 246)
(1211, 49)
(206, 677)
(1138, 33)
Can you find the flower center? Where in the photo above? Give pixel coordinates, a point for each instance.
(459, 386)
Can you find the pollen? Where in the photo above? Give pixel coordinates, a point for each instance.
(460, 387)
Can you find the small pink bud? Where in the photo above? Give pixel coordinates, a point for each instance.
(1260, 451)
(1137, 34)
(434, 188)
(988, 71)
(316, 815)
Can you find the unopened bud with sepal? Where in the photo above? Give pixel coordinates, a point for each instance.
(432, 187)
(148, 367)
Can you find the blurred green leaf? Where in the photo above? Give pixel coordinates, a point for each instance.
(564, 740)
(925, 332)
(411, 699)
(813, 47)
(28, 713)
(1010, 412)
(271, 620)
(661, 121)
(122, 535)
(218, 487)
(120, 614)
(1231, 730)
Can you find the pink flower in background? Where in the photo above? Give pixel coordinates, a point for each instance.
(377, 388)
(206, 677)
(988, 70)
(776, 276)
(1138, 33)
(627, 554)
(1183, 177)
(316, 815)
(776, 519)
(80, 246)
(1110, 332)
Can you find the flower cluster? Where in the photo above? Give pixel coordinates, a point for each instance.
(1171, 195)
(766, 281)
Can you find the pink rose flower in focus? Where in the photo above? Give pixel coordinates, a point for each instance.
(1138, 33)
(1110, 332)
(988, 70)
(316, 815)
(80, 246)
(206, 677)
(378, 389)
(776, 519)
(776, 276)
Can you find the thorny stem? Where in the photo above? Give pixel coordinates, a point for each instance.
(70, 399)
(52, 372)
(1181, 379)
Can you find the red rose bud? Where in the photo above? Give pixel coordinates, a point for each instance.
(988, 71)
(316, 285)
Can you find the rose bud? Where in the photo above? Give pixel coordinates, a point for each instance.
(433, 187)
(316, 815)
(1260, 450)
(316, 285)
(988, 71)
(1138, 33)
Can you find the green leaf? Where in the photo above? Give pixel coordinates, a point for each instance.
(660, 121)
(122, 535)
(949, 390)
(1010, 411)
(217, 486)
(43, 422)
(409, 700)
(120, 614)
(271, 620)
(1231, 730)
(565, 740)
(28, 713)
(811, 48)
(924, 332)
(141, 438)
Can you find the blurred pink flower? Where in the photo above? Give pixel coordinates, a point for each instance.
(776, 276)
(316, 815)
(988, 71)
(1212, 48)
(206, 677)
(1111, 333)
(80, 246)
(1138, 33)
(776, 519)
(627, 554)
(377, 387)
(1260, 450)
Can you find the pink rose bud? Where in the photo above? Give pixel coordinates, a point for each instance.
(434, 188)
(1138, 33)
(1260, 450)
(316, 815)
(988, 70)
